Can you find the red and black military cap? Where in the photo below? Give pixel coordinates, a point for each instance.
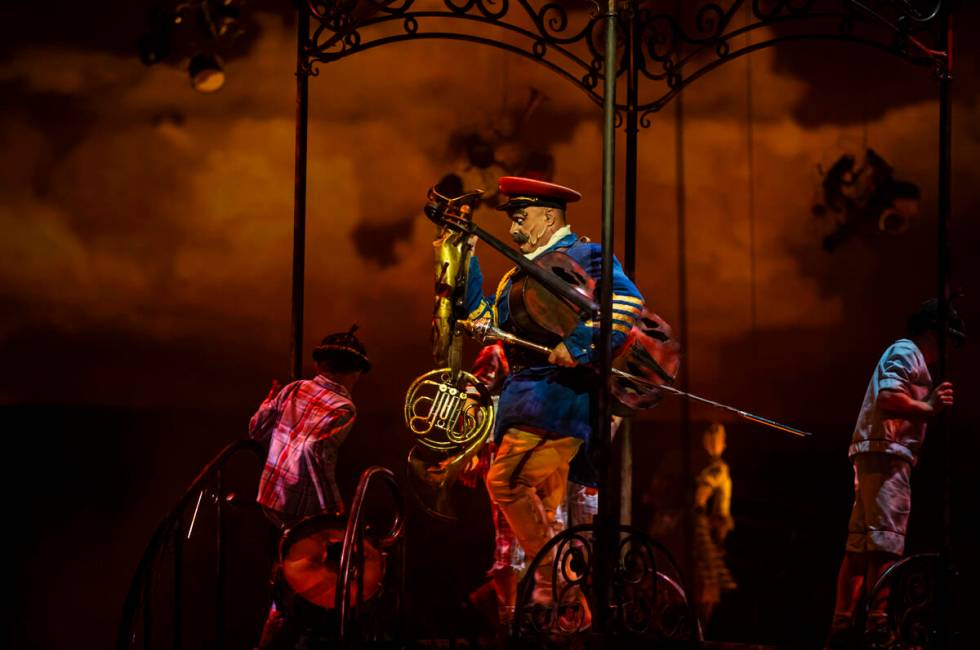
(525, 192)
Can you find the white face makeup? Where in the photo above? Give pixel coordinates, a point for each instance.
(532, 226)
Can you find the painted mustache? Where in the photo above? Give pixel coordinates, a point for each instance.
(520, 238)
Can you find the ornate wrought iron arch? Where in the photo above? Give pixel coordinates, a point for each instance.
(640, 45)
(670, 52)
(677, 56)
(666, 45)
(566, 42)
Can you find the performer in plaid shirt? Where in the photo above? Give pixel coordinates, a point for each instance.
(305, 423)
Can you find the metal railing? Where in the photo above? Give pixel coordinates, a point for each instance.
(645, 604)
(171, 532)
(917, 611)
(352, 554)
(170, 535)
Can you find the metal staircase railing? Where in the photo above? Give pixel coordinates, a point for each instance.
(171, 531)
(352, 554)
(169, 534)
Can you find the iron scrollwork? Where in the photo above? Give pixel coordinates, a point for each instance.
(677, 43)
(646, 603)
(676, 48)
(916, 586)
(566, 39)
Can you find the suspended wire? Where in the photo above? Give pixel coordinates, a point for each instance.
(687, 442)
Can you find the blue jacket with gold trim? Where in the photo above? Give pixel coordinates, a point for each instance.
(549, 397)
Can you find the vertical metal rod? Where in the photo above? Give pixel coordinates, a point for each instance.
(219, 602)
(632, 131)
(624, 435)
(943, 216)
(359, 563)
(299, 192)
(148, 607)
(607, 532)
(178, 623)
(750, 165)
(684, 374)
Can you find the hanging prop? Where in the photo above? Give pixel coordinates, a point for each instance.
(505, 147)
(866, 199)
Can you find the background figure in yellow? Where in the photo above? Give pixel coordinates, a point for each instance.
(712, 523)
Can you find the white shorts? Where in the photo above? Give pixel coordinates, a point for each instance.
(882, 502)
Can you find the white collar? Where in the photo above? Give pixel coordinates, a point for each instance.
(564, 231)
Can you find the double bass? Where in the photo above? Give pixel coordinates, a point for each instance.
(551, 295)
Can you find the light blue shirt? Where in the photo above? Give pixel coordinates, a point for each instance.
(902, 368)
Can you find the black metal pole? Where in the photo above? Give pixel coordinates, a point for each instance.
(148, 608)
(359, 563)
(299, 192)
(219, 588)
(624, 446)
(178, 625)
(607, 532)
(943, 216)
(632, 131)
(750, 168)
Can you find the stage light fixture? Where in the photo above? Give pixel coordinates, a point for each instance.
(177, 29)
(206, 72)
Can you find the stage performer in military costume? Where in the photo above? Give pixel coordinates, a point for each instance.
(580, 506)
(546, 406)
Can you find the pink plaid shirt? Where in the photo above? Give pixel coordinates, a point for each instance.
(304, 424)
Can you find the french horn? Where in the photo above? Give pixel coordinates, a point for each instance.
(448, 410)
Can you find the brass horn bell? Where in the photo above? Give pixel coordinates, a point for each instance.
(450, 420)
